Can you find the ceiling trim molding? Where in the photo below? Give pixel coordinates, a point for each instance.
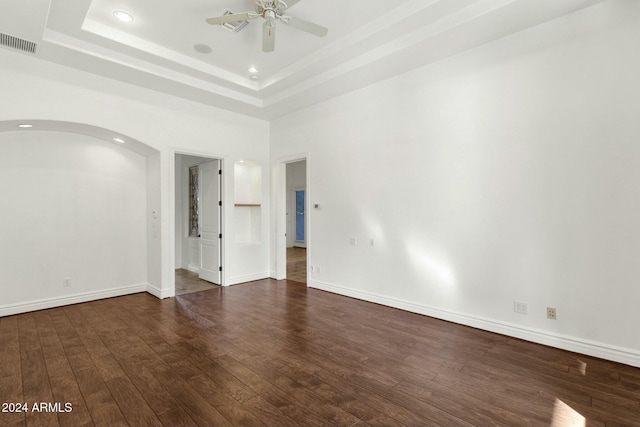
(413, 34)
(91, 50)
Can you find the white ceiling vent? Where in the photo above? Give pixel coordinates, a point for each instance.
(17, 43)
(236, 26)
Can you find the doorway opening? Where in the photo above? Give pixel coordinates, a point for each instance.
(296, 221)
(198, 225)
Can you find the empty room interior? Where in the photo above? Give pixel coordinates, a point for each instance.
(305, 212)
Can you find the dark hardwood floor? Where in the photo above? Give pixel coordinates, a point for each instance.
(277, 353)
(297, 265)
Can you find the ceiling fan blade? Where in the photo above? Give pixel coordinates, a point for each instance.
(268, 37)
(306, 26)
(229, 18)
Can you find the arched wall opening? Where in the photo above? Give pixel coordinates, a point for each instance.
(81, 215)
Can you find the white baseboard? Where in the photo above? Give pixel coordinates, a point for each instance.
(193, 268)
(159, 293)
(247, 278)
(25, 307)
(564, 342)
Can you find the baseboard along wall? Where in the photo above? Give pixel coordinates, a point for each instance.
(25, 307)
(574, 344)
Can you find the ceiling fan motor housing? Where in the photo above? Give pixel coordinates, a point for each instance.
(278, 7)
(271, 11)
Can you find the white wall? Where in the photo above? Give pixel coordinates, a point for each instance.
(506, 173)
(33, 89)
(181, 206)
(247, 183)
(154, 218)
(73, 207)
(248, 202)
(251, 223)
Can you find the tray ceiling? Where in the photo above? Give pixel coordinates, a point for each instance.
(170, 48)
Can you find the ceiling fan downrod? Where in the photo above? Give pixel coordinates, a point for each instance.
(271, 11)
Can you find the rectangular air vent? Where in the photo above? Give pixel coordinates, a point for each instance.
(17, 43)
(234, 27)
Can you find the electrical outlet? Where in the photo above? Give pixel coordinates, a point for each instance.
(66, 282)
(551, 313)
(520, 307)
(317, 270)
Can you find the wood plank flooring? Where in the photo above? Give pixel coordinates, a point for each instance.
(188, 282)
(279, 354)
(297, 265)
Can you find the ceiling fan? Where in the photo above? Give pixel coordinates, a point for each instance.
(271, 11)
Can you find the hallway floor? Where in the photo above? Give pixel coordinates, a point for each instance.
(297, 265)
(188, 282)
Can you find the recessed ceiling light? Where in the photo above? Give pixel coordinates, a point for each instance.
(253, 70)
(123, 16)
(254, 77)
(25, 126)
(120, 140)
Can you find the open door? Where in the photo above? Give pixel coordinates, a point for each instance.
(209, 217)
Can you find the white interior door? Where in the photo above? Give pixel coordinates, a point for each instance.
(209, 219)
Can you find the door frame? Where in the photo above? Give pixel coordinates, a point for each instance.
(224, 196)
(280, 180)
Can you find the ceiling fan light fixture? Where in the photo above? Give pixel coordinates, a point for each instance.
(270, 17)
(271, 11)
(123, 16)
